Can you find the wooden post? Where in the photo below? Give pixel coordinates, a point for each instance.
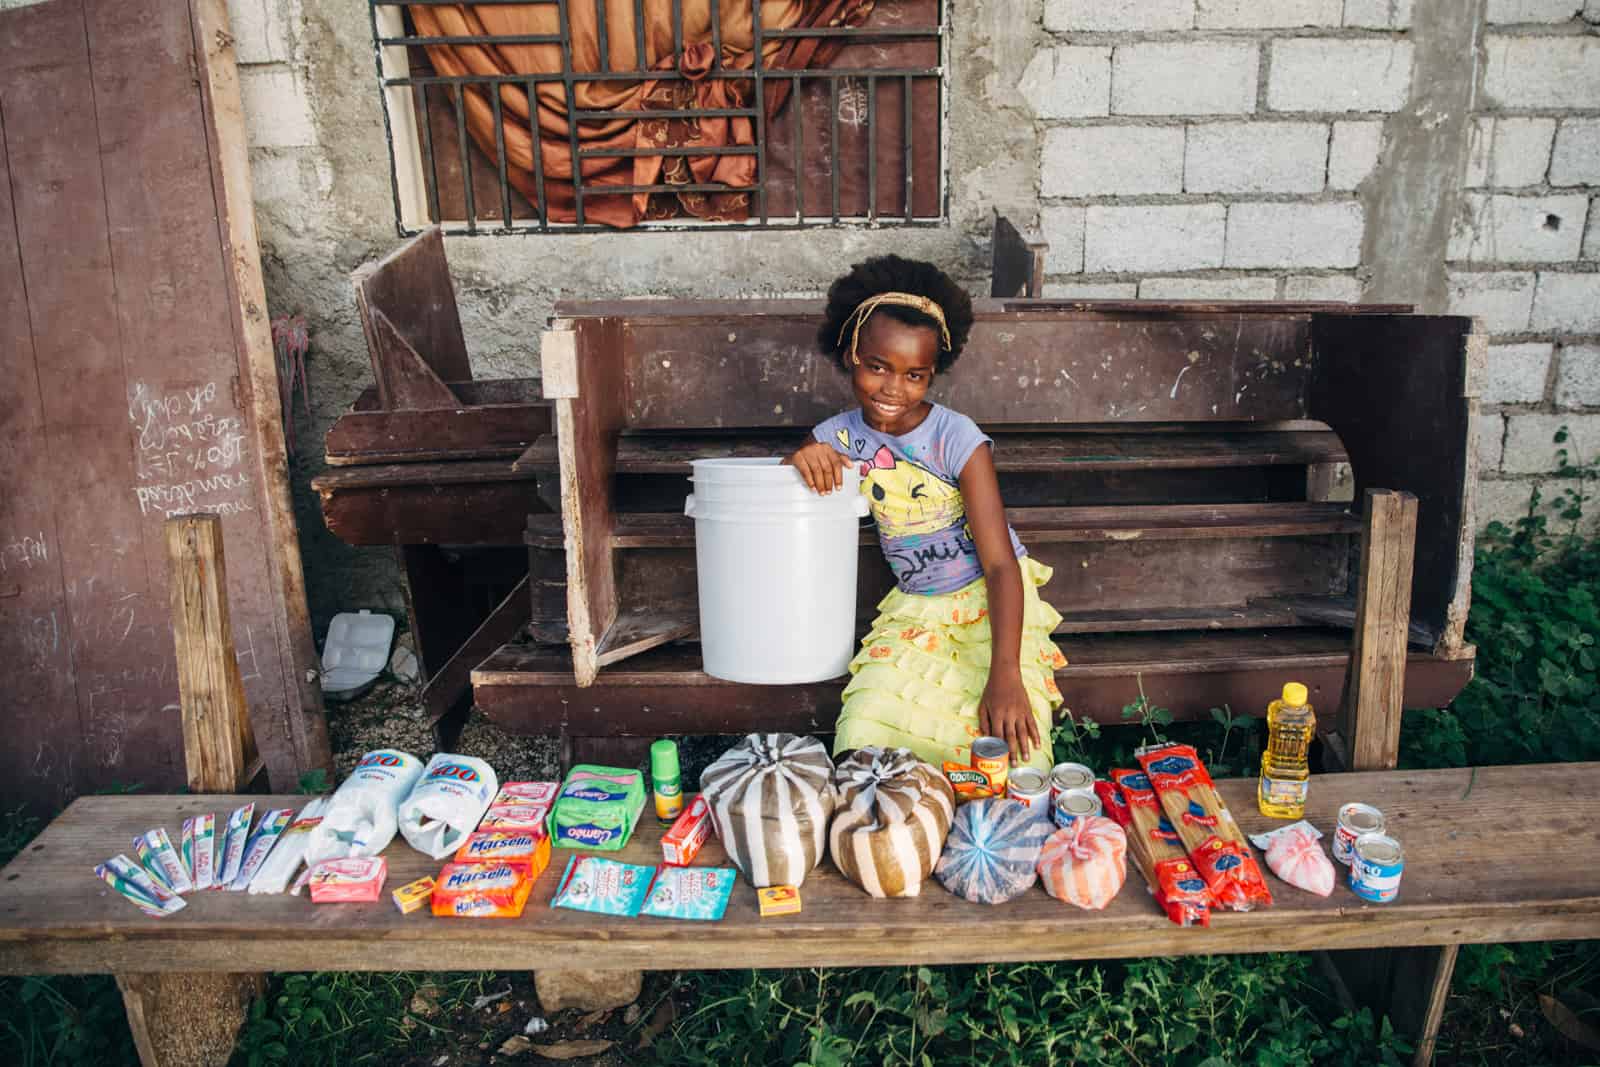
(1376, 687)
(1409, 984)
(194, 1018)
(219, 746)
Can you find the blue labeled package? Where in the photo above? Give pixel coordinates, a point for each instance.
(603, 886)
(691, 893)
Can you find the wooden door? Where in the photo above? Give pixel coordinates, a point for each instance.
(136, 381)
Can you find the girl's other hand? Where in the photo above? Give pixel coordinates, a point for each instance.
(1006, 714)
(822, 466)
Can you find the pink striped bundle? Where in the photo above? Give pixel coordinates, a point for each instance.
(1086, 863)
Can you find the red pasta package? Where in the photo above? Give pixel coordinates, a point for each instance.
(1155, 848)
(1206, 827)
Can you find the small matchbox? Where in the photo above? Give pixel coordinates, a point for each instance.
(779, 900)
(413, 895)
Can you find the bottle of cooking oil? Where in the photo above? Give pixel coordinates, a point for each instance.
(1285, 775)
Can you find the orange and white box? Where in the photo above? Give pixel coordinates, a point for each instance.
(482, 890)
(682, 841)
(523, 848)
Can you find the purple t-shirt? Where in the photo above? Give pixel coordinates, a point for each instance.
(912, 483)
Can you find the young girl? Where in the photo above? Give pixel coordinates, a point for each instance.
(961, 647)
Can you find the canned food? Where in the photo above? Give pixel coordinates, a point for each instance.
(1074, 804)
(1027, 787)
(1376, 868)
(992, 756)
(1065, 776)
(1354, 820)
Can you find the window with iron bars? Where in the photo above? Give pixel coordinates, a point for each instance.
(530, 116)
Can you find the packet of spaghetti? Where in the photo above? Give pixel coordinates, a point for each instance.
(155, 851)
(481, 890)
(273, 823)
(523, 848)
(690, 893)
(231, 854)
(1202, 820)
(199, 849)
(126, 888)
(353, 879)
(130, 872)
(603, 886)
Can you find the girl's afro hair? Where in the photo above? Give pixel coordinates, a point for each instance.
(892, 273)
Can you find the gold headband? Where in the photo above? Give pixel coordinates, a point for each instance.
(910, 300)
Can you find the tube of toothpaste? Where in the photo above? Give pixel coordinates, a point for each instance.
(129, 871)
(232, 851)
(133, 893)
(273, 823)
(282, 861)
(199, 849)
(155, 851)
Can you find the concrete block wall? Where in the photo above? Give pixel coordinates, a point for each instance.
(1444, 153)
(1524, 250)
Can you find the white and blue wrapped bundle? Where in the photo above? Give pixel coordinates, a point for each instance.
(990, 854)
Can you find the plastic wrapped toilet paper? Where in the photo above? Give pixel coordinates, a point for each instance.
(363, 814)
(446, 803)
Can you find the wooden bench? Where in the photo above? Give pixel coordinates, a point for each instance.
(1488, 859)
(1173, 462)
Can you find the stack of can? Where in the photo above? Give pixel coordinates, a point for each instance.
(1376, 860)
(1072, 795)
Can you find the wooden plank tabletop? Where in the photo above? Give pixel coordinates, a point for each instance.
(1496, 854)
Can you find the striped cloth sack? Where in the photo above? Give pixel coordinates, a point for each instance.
(771, 796)
(1086, 863)
(990, 854)
(894, 812)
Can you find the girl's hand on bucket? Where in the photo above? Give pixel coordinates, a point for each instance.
(1005, 713)
(821, 466)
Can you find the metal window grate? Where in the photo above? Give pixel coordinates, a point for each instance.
(873, 121)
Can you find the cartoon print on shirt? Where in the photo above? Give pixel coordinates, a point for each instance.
(906, 498)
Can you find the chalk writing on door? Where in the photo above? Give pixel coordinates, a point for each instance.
(189, 451)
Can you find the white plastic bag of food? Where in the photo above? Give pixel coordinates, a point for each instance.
(363, 814)
(447, 803)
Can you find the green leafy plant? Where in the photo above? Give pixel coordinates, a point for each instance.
(1195, 1011)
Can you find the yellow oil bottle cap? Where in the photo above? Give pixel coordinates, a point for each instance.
(1295, 695)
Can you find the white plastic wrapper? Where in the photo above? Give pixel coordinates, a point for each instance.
(285, 857)
(363, 814)
(446, 805)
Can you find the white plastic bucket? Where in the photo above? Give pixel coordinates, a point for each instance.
(776, 567)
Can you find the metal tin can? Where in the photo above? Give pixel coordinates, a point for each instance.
(1027, 787)
(1375, 871)
(1074, 804)
(1065, 776)
(1354, 820)
(992, 756)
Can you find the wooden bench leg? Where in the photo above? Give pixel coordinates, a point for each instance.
(1407, 984)
(187, 1020)
(194, 1018)
(1419, 986)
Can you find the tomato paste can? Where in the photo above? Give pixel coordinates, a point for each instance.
(1376, 868)
(1065, 776)
(992, 756)
(1027, 787)
(1074, 804)
(1354, 821)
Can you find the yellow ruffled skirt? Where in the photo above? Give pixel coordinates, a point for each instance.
(921, 671)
